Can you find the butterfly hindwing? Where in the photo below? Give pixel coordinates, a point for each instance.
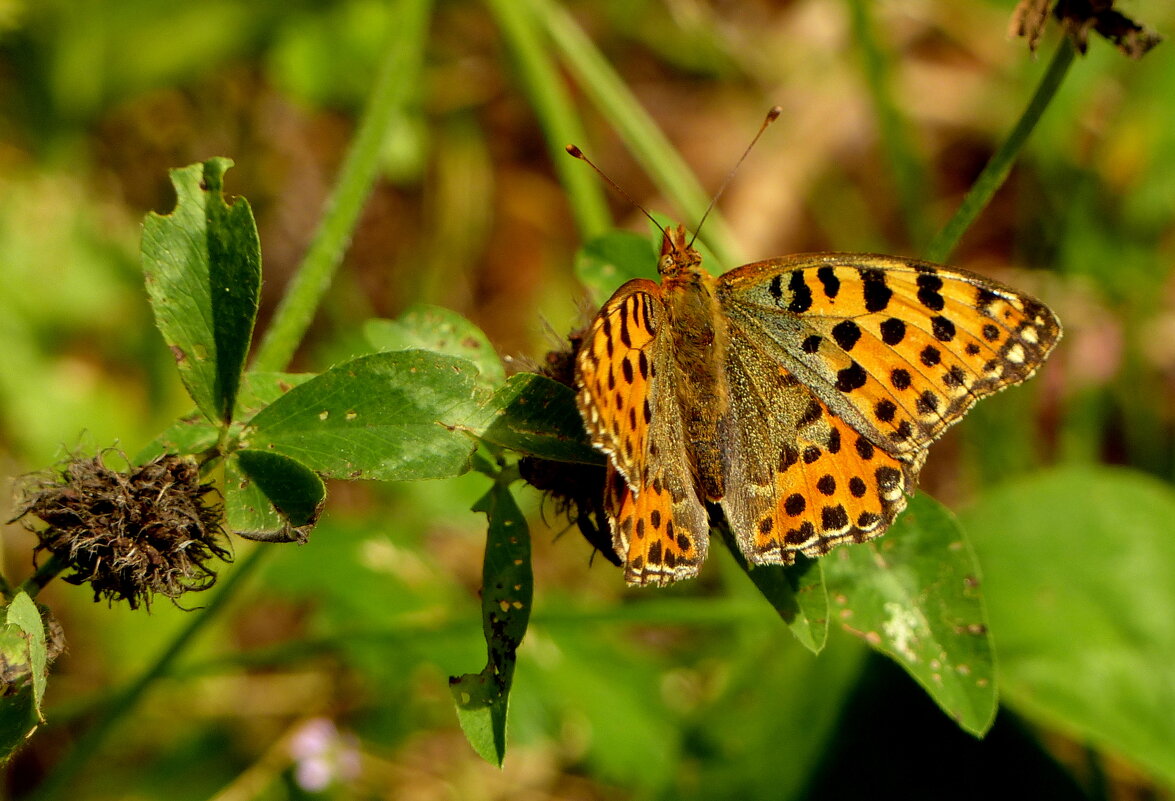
(800, 479)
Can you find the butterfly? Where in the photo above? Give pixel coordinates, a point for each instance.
(800, 394)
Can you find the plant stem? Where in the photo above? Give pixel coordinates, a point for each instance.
(392, 92)
(128, 699)
(556, 114)
(1000, 164)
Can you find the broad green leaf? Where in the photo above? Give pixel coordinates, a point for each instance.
(23, 613)
(247, 511)
(914, 595)
(202, 265)
(608, 261)
(1078, 567)
(425, 327)
(506, 593)
(796, 592)
(266, 485)
(387, 416)
(537, 416)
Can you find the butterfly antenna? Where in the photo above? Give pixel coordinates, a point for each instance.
(577, 153)
(771, 117)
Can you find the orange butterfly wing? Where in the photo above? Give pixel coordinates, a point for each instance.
(626, 395)
(899, 348)
(843, 368)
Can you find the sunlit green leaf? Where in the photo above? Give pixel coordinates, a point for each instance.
(23, 613)
(258, 390)
(190, 434)
(914, 595)
(389, 416)
(440, 330)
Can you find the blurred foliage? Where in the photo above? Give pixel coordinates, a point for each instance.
(697, 691)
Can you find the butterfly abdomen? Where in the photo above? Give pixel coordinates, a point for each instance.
(699, 349)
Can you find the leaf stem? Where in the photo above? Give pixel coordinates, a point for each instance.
(123, 702)
(1000, 164)
(392, 92)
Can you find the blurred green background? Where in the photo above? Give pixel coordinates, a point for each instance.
(328, 677)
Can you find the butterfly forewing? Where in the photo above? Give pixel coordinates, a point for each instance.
(900, 349)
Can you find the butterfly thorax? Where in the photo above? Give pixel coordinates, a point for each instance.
(699, 350)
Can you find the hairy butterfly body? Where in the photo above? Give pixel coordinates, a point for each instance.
(800, 394)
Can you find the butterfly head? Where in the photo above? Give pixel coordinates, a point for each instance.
(678, 256)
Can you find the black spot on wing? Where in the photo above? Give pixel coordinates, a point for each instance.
(929, 291)
(801, 298)
(851, 377)
(827, 276)
(876, 293)
(846, 333)
(893, 331)
(942, 328)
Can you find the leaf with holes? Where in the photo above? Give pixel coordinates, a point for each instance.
(202, 265)
(507, 588)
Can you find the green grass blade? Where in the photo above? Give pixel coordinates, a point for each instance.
(556, 114)
(392, 91)
(638, 130)
(908, 176)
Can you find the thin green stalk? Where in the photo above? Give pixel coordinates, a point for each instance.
(556, 114)
(43, 575)
(128, 699)
(638, 130)
(908, 176)
(391, 94)
(1000, 164)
